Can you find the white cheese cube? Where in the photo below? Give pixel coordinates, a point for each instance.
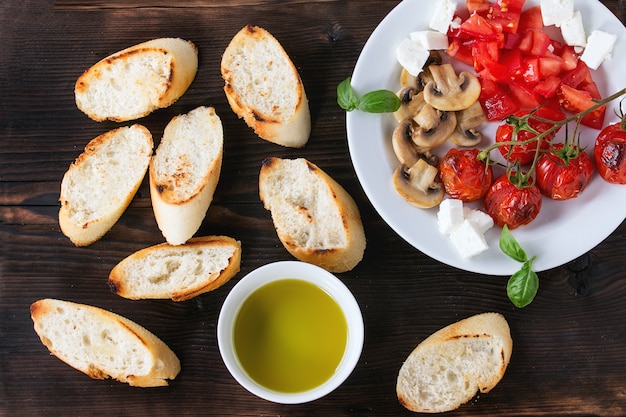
(430, 39)
(412, 56)
(573, 31)
(598, 49)
(556, 12)
(450, 215)
(442, 15)
(468, 240)
(481, 219)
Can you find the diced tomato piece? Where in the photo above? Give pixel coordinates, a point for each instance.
(575, 101)
(547, 88)
(569, 57)
(541, 43)
(478, 6)
(578, 76)
(479, 28)
(512, 59)
(530, 19)
(529, 70)
(496, 100)
(526, 42)
(505, 16)
(549, 66)
(461, 51)
(512, 5)
(524, 97)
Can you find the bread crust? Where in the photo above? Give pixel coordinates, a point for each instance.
(284, 124)
(79, 329)
(332, 258)
(489, 327)
(82, 224)
(122, 279)
(177, 61)
(179, 213)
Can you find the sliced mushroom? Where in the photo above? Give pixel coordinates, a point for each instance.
(405, 149)
(419, 184)
(412, 102)
(449, 91)
(434, 127)
(467, 123)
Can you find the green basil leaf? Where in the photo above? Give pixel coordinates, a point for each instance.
(523, 285)
(346, 98)
(379, 101)
(510, 246)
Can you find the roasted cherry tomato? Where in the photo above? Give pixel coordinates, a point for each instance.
(563, 172)
(464, 177)
(524, 153)
(609, 153)
(510, 205)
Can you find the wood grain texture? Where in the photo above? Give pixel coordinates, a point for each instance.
(569, 356)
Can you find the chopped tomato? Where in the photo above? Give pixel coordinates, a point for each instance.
(496, 101)
(531, 19)
(478, 6)
(518, 64)
(547, 88)
(575, 101)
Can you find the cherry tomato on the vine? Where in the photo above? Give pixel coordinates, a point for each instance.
(524, 153)
(510, 205)
(463, 176)
(563, 172)
(609, 153)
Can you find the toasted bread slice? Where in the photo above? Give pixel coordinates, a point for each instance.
(264, 88)
(184, 173)
(102, 344)
(315, 218)
(134, 82)
(98, 187)
(452, 365)
(177, 272)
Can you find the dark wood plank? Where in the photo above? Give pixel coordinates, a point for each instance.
(569, 357)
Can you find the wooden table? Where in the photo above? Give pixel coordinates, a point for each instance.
(569, 354)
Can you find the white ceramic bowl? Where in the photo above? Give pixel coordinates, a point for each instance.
(286, 270)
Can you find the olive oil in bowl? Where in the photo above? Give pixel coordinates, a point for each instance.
(290, 335)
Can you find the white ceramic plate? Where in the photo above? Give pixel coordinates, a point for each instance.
(563, 231)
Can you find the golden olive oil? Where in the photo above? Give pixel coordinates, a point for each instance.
(290, 335)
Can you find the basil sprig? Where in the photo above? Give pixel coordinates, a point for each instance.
(523, 285)
(378, 101)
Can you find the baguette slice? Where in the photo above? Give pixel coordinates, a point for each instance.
(264, 88)
(177, 272)
(448, 368)
(102, 344)
(100, 184)
(315, 218)
(184, 173)
(134, 82)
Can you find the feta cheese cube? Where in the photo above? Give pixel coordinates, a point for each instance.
(442, 15)
(573, 30)
(556, 12)
(481, 219)
(430, 39)
(412, 56)
(468, 240)
(450, 215)
(598, 49)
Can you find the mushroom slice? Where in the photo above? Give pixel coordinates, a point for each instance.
(449, 91)
(406, 151)
(411, 101)
(419, 184)
(434, 127)
(467, 123)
